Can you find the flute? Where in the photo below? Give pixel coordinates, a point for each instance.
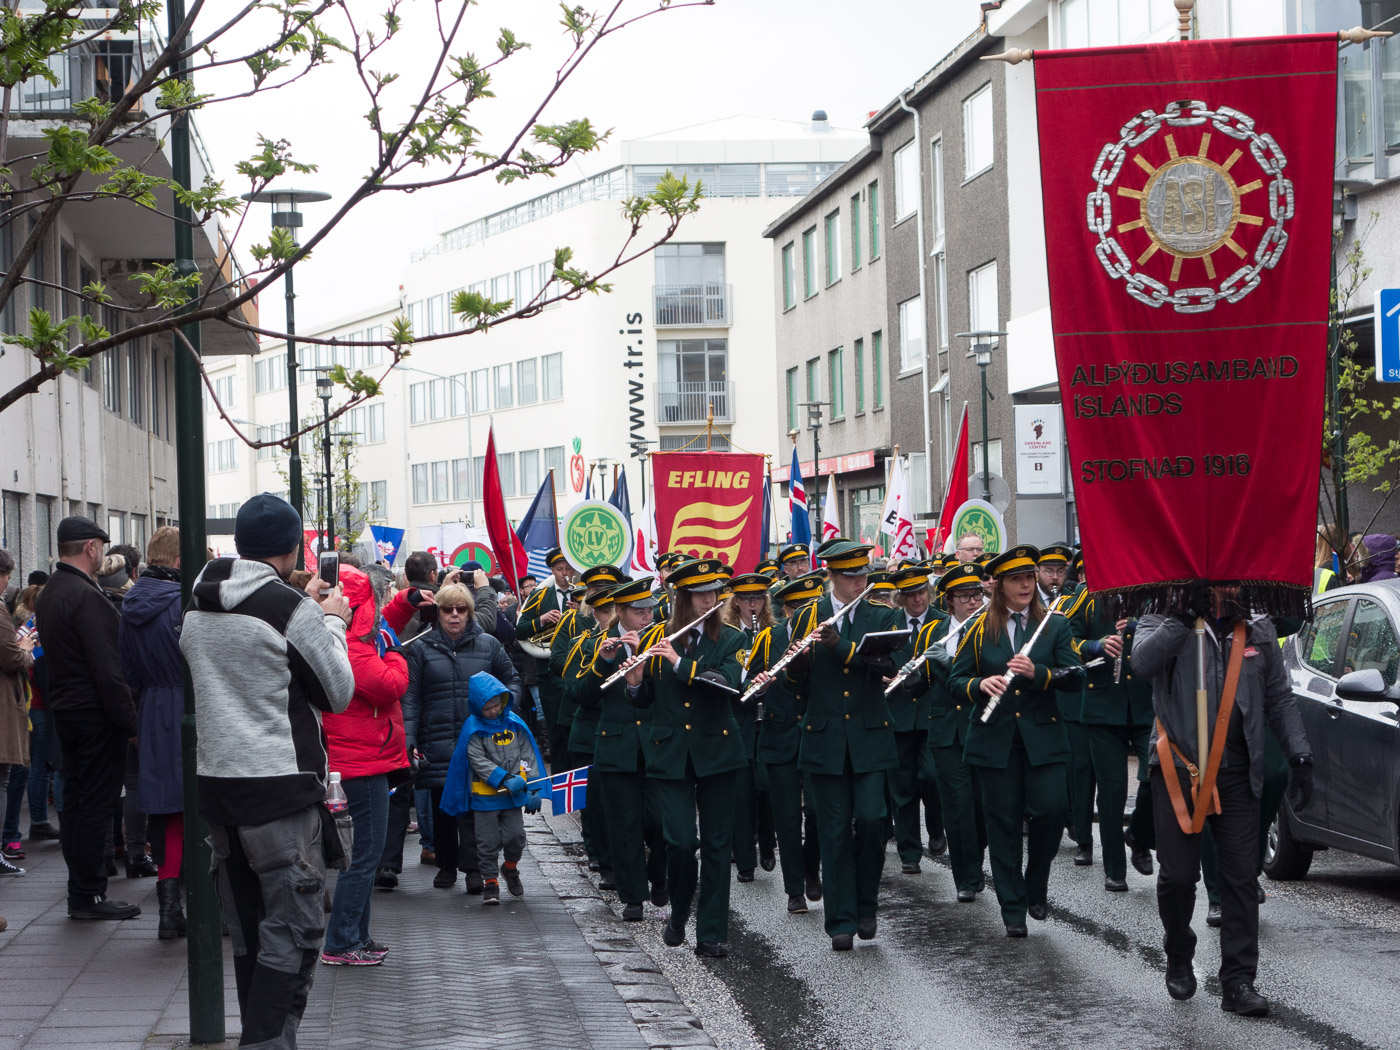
(909, 668)
(993, 701)
(618, 675)
(801, 647)
(1118, 660)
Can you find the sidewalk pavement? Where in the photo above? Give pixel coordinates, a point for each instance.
(554, 969)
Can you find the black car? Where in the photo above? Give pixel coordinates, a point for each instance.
(1345, 668)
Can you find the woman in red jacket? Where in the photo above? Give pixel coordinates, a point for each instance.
(366, 747)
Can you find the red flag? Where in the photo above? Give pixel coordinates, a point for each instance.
(956, 494)
(509, 550)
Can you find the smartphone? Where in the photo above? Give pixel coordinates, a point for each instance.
(328, 571)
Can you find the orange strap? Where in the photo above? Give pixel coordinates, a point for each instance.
(1205, 800)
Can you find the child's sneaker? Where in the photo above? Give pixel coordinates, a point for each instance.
(490, 892)
(376, 949)
(353, 957)
(513, 884)
(13, 850)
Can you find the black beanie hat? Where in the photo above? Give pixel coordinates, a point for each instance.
(267, 527)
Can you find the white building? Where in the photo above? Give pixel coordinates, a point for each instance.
(604, 378)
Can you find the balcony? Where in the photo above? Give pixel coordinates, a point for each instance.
(104, 69)
(692, 305)
(690, 403)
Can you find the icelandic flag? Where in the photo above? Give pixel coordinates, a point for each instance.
(797, 503)
(386, 639)
(539, 529)
(386, 542)
(568, 791)
(766, 531)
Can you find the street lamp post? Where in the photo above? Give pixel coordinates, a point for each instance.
(814, 424)
(981, 353)
(286, 216)
(324, 389)
(343, 438)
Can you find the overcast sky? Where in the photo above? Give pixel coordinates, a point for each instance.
(770, 58)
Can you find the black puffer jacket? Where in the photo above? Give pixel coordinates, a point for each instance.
(435, 706)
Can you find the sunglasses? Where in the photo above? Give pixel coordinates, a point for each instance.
(454, 610)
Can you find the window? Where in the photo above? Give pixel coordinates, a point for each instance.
(378, 499)
(978, 152)
(859, 362)
(505, 463)
(809, 262)
(504, 387)
(855, 232)
(461, 480)
(527, 388)
(689, 264)
(458, 391)
(224, 391)
(675, 442)
(789, 277)
(554, 461)
(136, 383)
(157, 413)
(478, 471)
(418, 402)
(529, 471)
(221, 456)
(982, 299)
(940, 290)
(836, 383)
(481, 390)
(872, 200)
(439, 470)
(918, 481)
(112, 380)
(1318, 642)
(791, 398)
(13, 538)
(420, 483)
(833, 247)
(814, 382)
(86, 275)
(43, 533)
(877, 370)
(906, 181)
(936, 187)
(1371, 644)
(553, 366)
(116, 526)
(374, 425)
(995, 451)
(526, 284)
(911, 334)
(437, 398)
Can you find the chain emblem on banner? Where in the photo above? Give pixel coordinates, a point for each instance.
(1191, 206)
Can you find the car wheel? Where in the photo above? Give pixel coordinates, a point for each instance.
(1285, 858)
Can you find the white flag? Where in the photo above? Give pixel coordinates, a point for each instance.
(644, 543)
(831, 524)
(897, 518)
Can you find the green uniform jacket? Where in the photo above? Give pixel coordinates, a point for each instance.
(1069, 703)
(1028, 705)
(909, 705)
(1126, 703)
(662, 612)
(570, 627)
(747, 714)
(945, 716)
(846, 708)
(621, 727)
(687, 722)
(783, 702)
(529, 623)
(574, 682)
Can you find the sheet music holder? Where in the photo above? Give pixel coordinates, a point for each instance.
(883, 643)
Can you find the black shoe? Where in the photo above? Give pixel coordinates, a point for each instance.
(660, 897)
(1213, 916)
(103, 909)
(746, 875)
(766, 860)
(474, 882)
(1259, 890)
(513, 884)
(632, 913)
(937, 847)
(387, 879)
(444, 879)
(1243, 1001)
(490, 892)
(981, 882)
(42, 831)
(865, 928)
(1181, 981)
(966, 896)
(1016, 929)
(143, 867)
(1084, 856)
(814, 889)
(709, 950)
(109, 864)
(1038, 912)
(842, 942)
(797, 904)
(605, 881)
(592, 865)
(1141, 855)
(910, 869)
(1116, 885)
(673, 937)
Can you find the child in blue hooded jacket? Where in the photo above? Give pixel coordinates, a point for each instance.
(496, 754)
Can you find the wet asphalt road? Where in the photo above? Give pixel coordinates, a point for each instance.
(944, 974)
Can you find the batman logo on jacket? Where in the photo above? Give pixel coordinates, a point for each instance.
(502, 738)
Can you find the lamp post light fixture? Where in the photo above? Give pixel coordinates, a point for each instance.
(324, 390)
(981, 353)
(286, 216)
(814, 424)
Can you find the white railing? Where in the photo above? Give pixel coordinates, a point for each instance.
(692, 305)
(692, 402)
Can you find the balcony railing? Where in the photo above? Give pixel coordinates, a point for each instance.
(104, 70)
(691, 402)
(692, 305)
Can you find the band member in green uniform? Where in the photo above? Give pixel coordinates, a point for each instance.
(1051, 571)
(848, 744)
(769, 567)
(693, 751)
(628, 798)
(881, 580)
(795, 560)
(574, 683)
(1116, 716)
(913, 780)
(538, 620)
(779, 735)
(662, 593)
(1020, 751)
(748, 612)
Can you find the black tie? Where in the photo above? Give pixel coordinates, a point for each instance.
(1020, 631)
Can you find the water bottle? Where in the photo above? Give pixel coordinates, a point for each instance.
(336, 801)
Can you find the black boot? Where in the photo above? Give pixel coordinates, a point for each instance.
(172, 915)
(141, 866)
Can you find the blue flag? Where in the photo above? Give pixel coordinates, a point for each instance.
(568, 791)
(797, 504)
(386, 542)
(621, 501)
(539, 529)
(766, 532)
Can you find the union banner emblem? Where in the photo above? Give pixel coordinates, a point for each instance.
(710, 505)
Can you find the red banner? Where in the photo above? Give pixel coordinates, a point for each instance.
(1188, 222)
(710, 504)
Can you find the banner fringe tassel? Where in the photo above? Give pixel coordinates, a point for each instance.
(1284, 601)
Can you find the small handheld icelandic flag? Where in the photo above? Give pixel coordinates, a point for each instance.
(568, 791)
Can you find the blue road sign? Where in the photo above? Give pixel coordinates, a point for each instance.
(1388, 335)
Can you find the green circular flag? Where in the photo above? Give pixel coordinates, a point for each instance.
(596, 533)
(982, 519)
